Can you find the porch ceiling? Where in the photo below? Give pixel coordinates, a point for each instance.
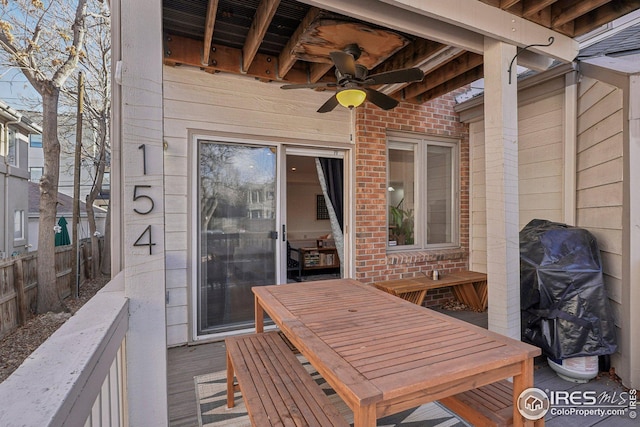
(288, 41)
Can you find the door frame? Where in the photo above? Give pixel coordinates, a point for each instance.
(295, 150)
(283, 147)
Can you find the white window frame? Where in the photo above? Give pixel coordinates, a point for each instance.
(40, 168)
(420, 145)
(13, 160)
(18, 225)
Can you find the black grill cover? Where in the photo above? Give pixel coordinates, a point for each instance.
(565, 309)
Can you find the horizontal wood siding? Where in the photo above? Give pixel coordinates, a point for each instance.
(540, 159)
(198, 102)
(477, 208)
(540, 169)
(600, 179)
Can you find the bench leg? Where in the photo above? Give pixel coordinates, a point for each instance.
(230, 387)
(520, 383)
(365, 416)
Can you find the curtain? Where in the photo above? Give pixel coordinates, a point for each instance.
(331, 181)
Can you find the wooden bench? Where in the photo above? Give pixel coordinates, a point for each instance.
(489, 405)
(276, 388)
(469, 287)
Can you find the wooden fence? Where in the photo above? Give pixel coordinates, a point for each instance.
(19, 282)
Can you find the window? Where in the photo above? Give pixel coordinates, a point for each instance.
(422, 193)
(35, 174)
(12, 149)
(18, 225)
(35, 141)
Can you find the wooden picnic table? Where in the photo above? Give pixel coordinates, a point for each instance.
(382, 354)
(469, 287)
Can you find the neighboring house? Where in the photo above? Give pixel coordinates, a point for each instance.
(67, 137)
(65, 209)
(15, 130)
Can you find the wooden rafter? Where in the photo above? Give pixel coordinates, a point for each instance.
(565, 12)
(455, 83)
(261, 20)
(448, 71)
(187, 51)
(602, 15)
(210, 20)
(531, 8)
(287, 58)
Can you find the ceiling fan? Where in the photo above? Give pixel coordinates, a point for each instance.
(352, 82)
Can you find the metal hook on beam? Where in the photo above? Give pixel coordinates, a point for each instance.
(551, 40)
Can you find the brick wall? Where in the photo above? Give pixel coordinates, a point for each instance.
(435, 118)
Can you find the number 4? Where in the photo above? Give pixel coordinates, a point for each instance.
(149, 239)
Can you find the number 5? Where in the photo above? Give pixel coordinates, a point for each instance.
(137, 196)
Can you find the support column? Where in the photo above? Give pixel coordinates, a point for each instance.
(138, 138)
(570, 146)
(630, 280)
(501, 160)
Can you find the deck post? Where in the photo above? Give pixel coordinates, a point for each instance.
(501, 160)
(138, 203)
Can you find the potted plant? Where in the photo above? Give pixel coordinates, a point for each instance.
(401, 225)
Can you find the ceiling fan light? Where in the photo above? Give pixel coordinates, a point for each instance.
(351, 98)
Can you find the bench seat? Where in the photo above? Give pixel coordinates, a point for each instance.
(469, 287)
(489, 405)
(275, 386)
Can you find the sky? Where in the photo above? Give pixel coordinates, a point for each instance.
(14, 88)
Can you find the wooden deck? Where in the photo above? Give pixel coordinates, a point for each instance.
(188, 361)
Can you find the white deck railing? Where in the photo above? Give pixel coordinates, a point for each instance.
(76, 377)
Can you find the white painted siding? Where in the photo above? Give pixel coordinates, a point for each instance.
(477, 208)
(540, 170)
(197, 102)
(600, 179)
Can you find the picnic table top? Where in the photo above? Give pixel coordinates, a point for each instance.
(379, 351)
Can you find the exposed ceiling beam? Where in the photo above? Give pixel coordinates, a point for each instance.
(187, 51)
(427, 65)
(453, 84)
(317, 70)
(564, 12)
(492, 22)
(261, 20)
(506, 4)
(530, 8)
(209, 23)
(287, 58)
(603, 15)
(457, 66)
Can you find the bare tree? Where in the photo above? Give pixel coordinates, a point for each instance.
(218, 180)
(96, 65)
(45, 40)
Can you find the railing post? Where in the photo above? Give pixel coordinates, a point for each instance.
(18, 281)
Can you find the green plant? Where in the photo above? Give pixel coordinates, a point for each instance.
(401, 225)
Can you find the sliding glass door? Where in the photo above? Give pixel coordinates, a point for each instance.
(237, 201)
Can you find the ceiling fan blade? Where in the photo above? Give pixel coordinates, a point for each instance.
(380, 99)
(329, 105)
(396, 76)
(344, 62)
(308, 85)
